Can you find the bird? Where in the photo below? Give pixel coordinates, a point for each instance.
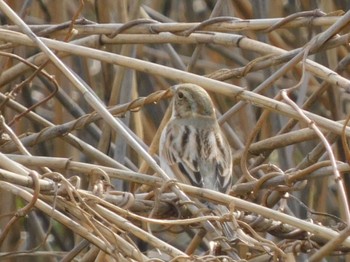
(193, 148)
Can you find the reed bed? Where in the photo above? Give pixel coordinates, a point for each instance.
(85, 95)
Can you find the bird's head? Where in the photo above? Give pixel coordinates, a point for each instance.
(191, 100)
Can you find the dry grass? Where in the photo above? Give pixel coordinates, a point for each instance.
(77, 183)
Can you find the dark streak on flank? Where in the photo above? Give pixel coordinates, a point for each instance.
(185, 136)
(195, 164)
(199, 180)
(198, 142)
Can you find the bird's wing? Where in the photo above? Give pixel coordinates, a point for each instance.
(178, 163)
(216, 166)
(208, 165)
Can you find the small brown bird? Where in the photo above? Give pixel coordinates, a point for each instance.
(193, 148)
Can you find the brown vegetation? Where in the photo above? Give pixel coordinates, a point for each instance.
(79, 182)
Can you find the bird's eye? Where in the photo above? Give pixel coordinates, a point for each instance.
(180, 95)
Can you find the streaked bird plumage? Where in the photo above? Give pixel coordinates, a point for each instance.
(193, 148)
